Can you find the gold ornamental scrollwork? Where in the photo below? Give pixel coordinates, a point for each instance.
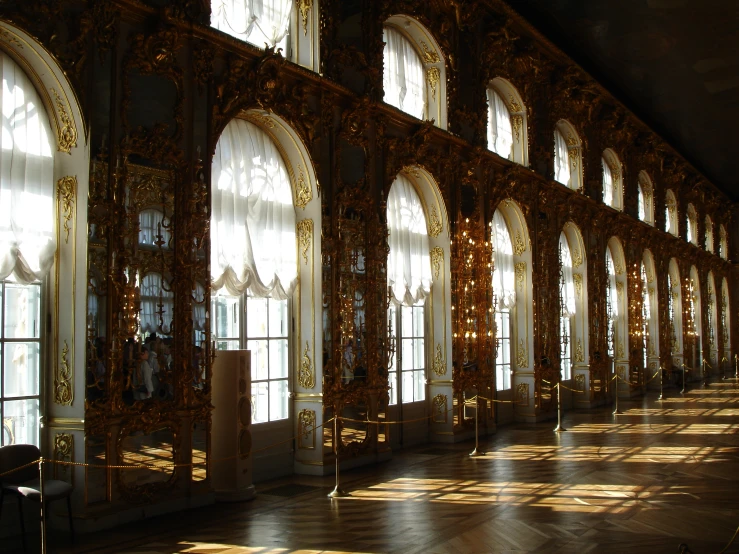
(11, 39)
(67, 132)
(64, 452)
(580, 382)
(435, 226)
(305, 237)
(576, 257)
(519, 246)
(307, 430)
(520, 272)
(517, 124)
(522, 394)
(522, 355)
(579, 353)
(577, 278)
(304, 7)
(621, 353)
(433, 76)
(618, 268)
(429, 56)
(303, 193)
(63, 389)
(440, 412)
(306, 377)
(439, 365)
(66, 192)
(437, 260)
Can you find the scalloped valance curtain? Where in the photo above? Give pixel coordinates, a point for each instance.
(27, 238)
(500, 132)
(504, 281)
(403, 76)
(568, 283)
(409, 262)
(561, 159)
(258, 22)
(253, 220)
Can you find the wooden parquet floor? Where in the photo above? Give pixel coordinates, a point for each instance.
(660, 474)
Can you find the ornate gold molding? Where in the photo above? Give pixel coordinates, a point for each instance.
(435, 226)
(519, 246)
(522, 394)
(621, 352)
(67, 132)
(517, 124)
(305, 237)
(64, 452)
(429, 56)
(580, 382)
(307, 430)
(577, 278)
(306, 376)
(440, 412)
(439, 365)
(437, 260)
(579, 353)
(433, 76)
(522, 356)
(520, 271)
(63, 388)
(303, 193)
(66, 193)
(304, 7)
(576, 257)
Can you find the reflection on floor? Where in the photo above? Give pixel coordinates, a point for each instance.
(660, 474)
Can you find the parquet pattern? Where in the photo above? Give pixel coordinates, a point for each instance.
(660, 474)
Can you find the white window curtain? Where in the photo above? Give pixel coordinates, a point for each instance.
(253, 220)
(152, 224)
(641, 204)
(500, 132)
(151, 288)
(568, 292)
(561, 159)
(409, 263)
(27, 238)
(709, 234)
(612, 283)
(504, 282)
(607, 183)
(403, 76)
(259, 22)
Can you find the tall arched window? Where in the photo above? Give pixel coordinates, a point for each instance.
(675, 312)
(507, 127)
(723, 244)
(670, 213)
(725, 322)
(617, 306)
(567, 156)
(27, 247)
(254, 259)
(711, 317)
(692, 225)
(568, 308)
(414, 73)
(709, 234)
(650, 313)
(409, 280)
(504, 288)
(612, 180)
(645, 200)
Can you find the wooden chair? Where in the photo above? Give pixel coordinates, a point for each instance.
(26, 482)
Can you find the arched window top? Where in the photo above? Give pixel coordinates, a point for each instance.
(567, 285)
(409, 263)
(723, 245)
(414, 73)
(504, 285)
(253, 219)
(567, 156)
(27, 179)
(507, 126)
(709, 234)
(646, 198)
(692, 227)
(670, 213)
(612, 180)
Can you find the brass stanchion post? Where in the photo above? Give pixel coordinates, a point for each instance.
(477, 452)
(616, 411)
(338, 492)
(736, 363)
(705, 374)
(559, 428)
(661, 375)
(41, 502)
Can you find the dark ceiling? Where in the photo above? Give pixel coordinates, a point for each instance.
(674, 63)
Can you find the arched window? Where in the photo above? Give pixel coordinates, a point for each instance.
(27, 244)
(409, 280)
(254, 259)
(725, 322)
(567, 156)
(711, 317)
(291, 26)
(617, 307)
(612, 180)
(650, 313)
(645, 201)
(670, 213)
(723, 245)
(692, 225)
(675, 312)
(414, 74)
(504, 288)
(507, 127)
(568, 308)
(709, 234)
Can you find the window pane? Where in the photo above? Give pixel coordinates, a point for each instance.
(418, 321)
(227, 345)
(259, 359)
(278, 318)
(406, 317)
(393, 379)
(21, 369)
(260, 402)
(407, 386)
(420, 385)
(277, 400)
(256, 317)
(22, 305)
(407, 354)
(418, 355)
(278, 359)
(227, 316)
(20, 422)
